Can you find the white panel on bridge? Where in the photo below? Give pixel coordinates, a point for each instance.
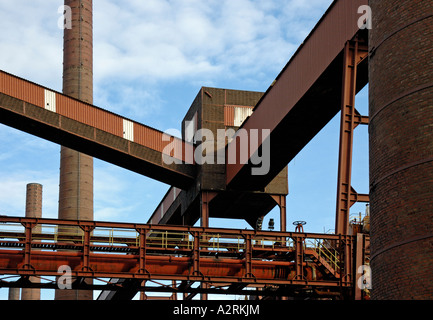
(128, 130)
(50, 100)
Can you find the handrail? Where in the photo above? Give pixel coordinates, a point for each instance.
(330, 256)
(158, 236)
(256, 257)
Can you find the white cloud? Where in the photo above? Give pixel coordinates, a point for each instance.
(300, 16)
(13, 192)
(30, 41)
(159, 40)
(165, 40)
(243, 42)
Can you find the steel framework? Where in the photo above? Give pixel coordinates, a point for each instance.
(225, 260)
(355, 53)
(202, 259)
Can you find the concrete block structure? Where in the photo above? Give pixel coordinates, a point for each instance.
(219, 111)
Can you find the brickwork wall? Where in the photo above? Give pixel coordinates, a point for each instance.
(401, 149)
(76, 169)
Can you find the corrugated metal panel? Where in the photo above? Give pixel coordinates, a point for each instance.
(168, 145)
(128, 130)
(50, 100)
(21, 89)
(114, 124)
(240, 115)
(229, 115)
(109, 122)
(87, 114)
(155, 139)
(74, 109)
(158, 141)
(191, 128)
(178, 149)
(139, 134)
(236, 115)
(148, 137)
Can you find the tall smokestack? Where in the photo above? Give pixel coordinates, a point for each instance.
(401, 149)
(33, 210)
(14, 294)
(76, 169)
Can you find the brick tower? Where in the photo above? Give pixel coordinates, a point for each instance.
(401, 149)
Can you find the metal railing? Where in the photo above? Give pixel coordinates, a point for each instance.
(164, 239)
(326, 252)
(142, 251)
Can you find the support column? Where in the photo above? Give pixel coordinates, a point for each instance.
(401, 149)
(283, 218)
(33, 210)
(362, 279)
(354, 53)
(205, 198)
(14, 294)
(281, 202)
(299, 258)
(76, 169)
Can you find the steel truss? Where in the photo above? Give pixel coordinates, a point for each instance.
(355, 54)
(226, 261)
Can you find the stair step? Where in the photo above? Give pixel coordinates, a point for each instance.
(320, 261)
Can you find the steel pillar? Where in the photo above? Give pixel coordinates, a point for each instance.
(354, 53)
(362, 263)
(205, 198)
(281, 201)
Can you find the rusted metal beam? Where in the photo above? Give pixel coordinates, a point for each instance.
(355, 52)
(169, 228)
(281, 202)
(295, 111)
(199, 261)
(189, 293)
(162, 268)
(361, 260)
(94, 131)
(205, 198)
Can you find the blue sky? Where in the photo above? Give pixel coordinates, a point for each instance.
(150, 60)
